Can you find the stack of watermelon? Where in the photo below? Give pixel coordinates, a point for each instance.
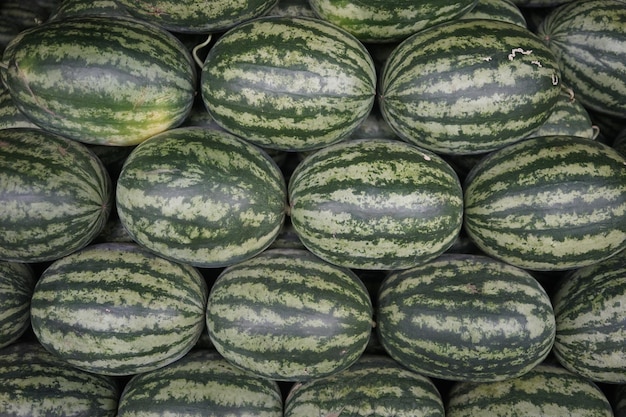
(313, 208)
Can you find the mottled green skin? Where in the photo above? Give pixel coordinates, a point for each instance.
(117, 309)
(17, 281)
(547, 390)
(505, 10)
(34, 382)
(465, 318)
(548, 203)
(202, 384)
(384, 21)
(100, 79)
(469, 86)
(375, 385)
(289, 83)
(587, 37)
(195, 16)
(56, 195)
(287, 315)
(375, 204)
(201, 196)
(590, 310)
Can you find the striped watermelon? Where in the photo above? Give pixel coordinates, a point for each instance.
(548, 203)
(10, 115)
(546, 390)
(375, 385)
(201, 196)
(505, 10)
(116, 309)
(375, 204)
(200, 384)
(197, 16)
(588, 38)
(73, 8)
(469, 86)
(379, 21)
(568, 118)
(35, 383)
(289, 83)
(465, 318)
(55, 195)
(100, 79)
(289, 316)
(590, 310)
(17, 281)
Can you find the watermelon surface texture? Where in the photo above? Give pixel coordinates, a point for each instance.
(548, 203)
(55, 193)
(469, 86)
(201, 196)
(465, 318)
(288, 315)
(101, 79)
(117, 309)
(375, 204)
(288, 83)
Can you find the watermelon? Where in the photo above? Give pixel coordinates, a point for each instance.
(17, 281)
(381, 21)
(73, 8)
(201, 196)
(588, 38)
(201, 384)
(469, 86)
(289, 83)
(590, 310)
(10, 115)
(56, 195)
(548, 203)
(375, 204)
(505, 10)
(117, 309)
(548, 390)
(375, 385)
(197, 16)
(288, 315)
(100, 79)
(465, 317)
(34, 383)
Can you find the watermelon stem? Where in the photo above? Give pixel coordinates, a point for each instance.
(196, 48)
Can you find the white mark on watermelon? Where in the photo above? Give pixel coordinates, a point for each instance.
(555, 79)
(537, 63)
(520, 50)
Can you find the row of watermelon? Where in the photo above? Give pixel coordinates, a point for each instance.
(203, 383)
(287, 315)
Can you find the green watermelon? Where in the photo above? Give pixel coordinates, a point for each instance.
(197, 16)
(289, 83)
(288, 315)
(548, 203)
(35, 383)
(383, 21)
(100, 79)
(17, 281)
(590, 310)
(200, 384)
(375, 385)
(469, 86)
(201, 196)
(465, 318)
(56, 195)
(375, 204)
(117, 309)
(588, 37)
(547, 390)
